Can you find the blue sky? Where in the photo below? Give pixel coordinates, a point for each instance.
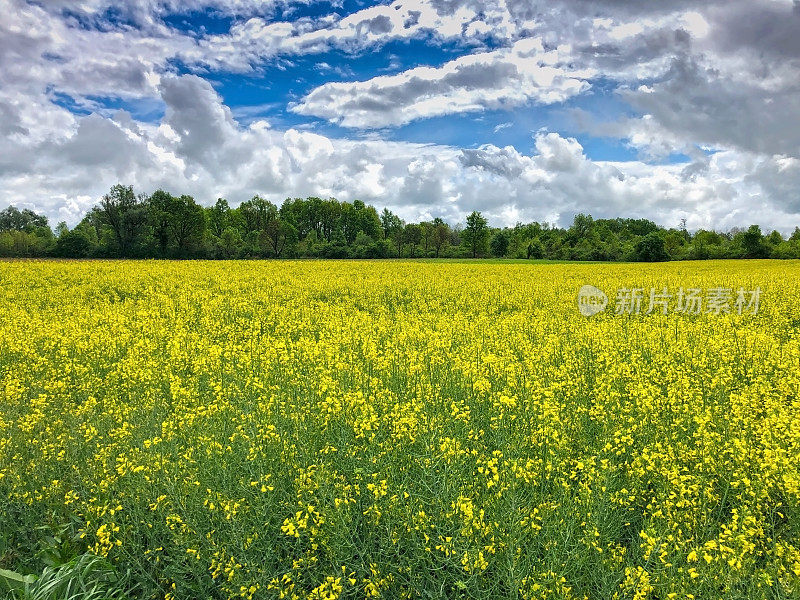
(267, 92)
(523, 110)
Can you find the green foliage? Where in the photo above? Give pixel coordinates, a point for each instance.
(412, 235)
(23, 233)
(78, 243)
(499, 244)
(441, 236)
(127, 217)
(753, 243)
(85, 577)
(476, 234)
(534, 249)
(651, 248)
(15, 243)
(230, 242)
(26, 220)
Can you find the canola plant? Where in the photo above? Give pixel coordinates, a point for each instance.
(403, 429)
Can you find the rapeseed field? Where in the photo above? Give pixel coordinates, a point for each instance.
(312, 430)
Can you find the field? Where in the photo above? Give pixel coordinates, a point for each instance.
(397, 429)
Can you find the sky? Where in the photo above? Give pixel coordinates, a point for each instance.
(523, 110)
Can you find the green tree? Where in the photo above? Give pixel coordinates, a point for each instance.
(476, 234)
(441, 235)
(281, 235)
(774, 240)
(187, 225)
(499, 244)
(257, 213)
(392, 226)
(369, 221)
(426, 231)
(581, 227)
(230, 242)
(159, 211)
(389, 223)
(61, 229)
(126, 216)
(753, 243)
(534, 249)
(13, 219)
(707, 244)
(674, 241)
(78, 243)
(219, 217)
(295, 211)
(651, 248)
(397, 235)
(412, 235)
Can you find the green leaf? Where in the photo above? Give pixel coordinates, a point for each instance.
(17, 577)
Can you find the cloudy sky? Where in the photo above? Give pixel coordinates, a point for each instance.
(523, 110)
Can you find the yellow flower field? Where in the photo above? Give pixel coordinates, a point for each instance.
(400, 429)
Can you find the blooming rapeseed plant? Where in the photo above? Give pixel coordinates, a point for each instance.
(357, 429)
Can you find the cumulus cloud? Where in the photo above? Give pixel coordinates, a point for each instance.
(250, 43)
(558, 179)
(699, 102)
(42, 52)
(524, 73)
(198, 148)
(148, 13)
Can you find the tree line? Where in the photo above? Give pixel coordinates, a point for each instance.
(161, 225)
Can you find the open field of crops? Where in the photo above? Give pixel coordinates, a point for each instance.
(399, 429)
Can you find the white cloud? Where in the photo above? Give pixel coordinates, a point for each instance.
(251, 43)
(199, 149)
(695, 24)
(509, 77)
(559, 178)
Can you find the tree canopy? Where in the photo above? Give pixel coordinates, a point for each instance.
(125, 224)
